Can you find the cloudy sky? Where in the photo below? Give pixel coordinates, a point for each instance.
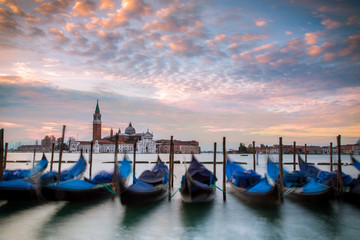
(201, 70)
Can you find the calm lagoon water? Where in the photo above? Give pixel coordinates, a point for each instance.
(173, 219)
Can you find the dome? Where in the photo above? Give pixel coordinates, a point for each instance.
(130, 129)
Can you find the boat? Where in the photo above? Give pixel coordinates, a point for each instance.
(75, 172)
(353, 195)
(23, 185)
(298, 186)
(150, 187)
(99, 187)
(34, 172)
(198, 183)
(250, 186)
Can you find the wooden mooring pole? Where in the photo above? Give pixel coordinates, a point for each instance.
(340, 187)
(1, 154)
(294, 156)
(60, 153)
(5, 155)
(281, 170)
(224, 169)
(33, 162)
(305, 153)
(214, 167)
(254, 151)
(331, 160)
(115, 174)
(91, 158)
(134, 162)
(52, 156)
(170, 167)
(172, 153)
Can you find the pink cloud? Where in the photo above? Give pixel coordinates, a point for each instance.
(107, 4)
(353, 20)
(263, 59)
(84, 8)
(220, 38)
(260, 22)
(330, 24)
(247, 37)
(288, 32)
(314, 50)
(311, 38)
(264, 47)
(54, 7)
(60, 36)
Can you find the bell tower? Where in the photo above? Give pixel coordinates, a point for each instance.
(97, 123)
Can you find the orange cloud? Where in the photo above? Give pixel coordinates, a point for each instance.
(220, 38)
(264, 47)
(260, 22)
(60, 36)
(247, 37)
(107, 4)
(353, 20)
(288, 32)
(311, 38)
(84, 8)
(314, 50)
(264, 58)
(330, 24)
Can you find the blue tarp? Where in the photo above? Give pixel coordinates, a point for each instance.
(355, 163)
(16, 184)
(159, 174)
(73, 185)
(313, 187)
(25, 173)
(141, 186)
(241, 177)
(68, 174)
(198, 172)
(262, 187)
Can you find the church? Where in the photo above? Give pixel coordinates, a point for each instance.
(145, 142)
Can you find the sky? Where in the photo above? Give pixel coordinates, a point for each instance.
(196, 70)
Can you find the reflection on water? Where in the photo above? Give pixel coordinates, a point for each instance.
(10, 208)
(133, 215)
(194, 214)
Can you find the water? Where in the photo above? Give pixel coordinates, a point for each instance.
(233, 219)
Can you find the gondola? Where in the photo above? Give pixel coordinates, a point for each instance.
(198, 183)
(353, 195)
(298, 186)
(99, 187)
(23, 185)
(250, 186)
(150, 187)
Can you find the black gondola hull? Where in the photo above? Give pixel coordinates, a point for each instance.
(130, 197)
(98, 192)
(19, 195)
(271, 197)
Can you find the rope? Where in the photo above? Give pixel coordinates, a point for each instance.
(287, 192)
(213, 185)
(175, 192)
(107, 187)
(173, 175)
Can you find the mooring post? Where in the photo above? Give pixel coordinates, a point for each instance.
(1, 154)
(254, 162)
(5, 156)
(339, 172)
(331, 160)
(214, 167)
(52, 156)
(224, 169)
(115, 174)
(305, 153)
(294, 156)
(134, 162)
(91, 158)
(172, 152)
(170, 167)
(281, 170)
(33, 162)
(60, 153)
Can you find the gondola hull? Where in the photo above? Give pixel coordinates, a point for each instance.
(321, 197)
(94, 193)
(19, 195)
(268, 198)
(191, 192)
(131, 197)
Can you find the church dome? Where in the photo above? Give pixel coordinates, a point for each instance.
(130, 129)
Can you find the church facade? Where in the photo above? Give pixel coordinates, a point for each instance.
(144, 141)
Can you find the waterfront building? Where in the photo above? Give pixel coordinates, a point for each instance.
(186, 147)
(145, 142)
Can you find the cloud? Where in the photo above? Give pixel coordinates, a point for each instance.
(288, 32)
(107, 4)
(353, 20)
(264, 47)
(84, 8)
(330, 24)
(60, 36)
(260, 22)
(311, 38)
(55, 7)
(247, 37)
